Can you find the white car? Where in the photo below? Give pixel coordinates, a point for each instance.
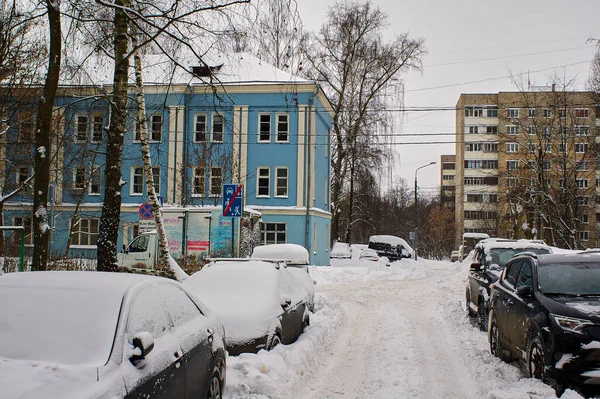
(340, 250)
(369, 254)
(260, 303)
(297, 260)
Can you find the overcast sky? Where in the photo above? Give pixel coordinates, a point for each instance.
(481, 42)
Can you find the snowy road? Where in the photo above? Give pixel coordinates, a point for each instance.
(398, 332)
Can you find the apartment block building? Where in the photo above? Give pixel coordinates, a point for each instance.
(235, 119)
(527, 166)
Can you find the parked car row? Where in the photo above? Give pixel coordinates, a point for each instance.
(544, 311)
(117, 335)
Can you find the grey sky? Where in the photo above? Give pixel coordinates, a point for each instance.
(461, 37)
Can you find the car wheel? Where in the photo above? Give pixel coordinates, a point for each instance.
(214, 388)
(482, 316)
(494, 338)
(275, 340)
(470, 312)
(536, 360)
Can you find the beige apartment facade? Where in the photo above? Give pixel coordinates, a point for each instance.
(527, 166)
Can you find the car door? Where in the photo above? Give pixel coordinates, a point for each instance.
(505, 295)
(291, 323)
(520, 309)
(195, 335)
(159, 375)
(139, 253)
(476, 279)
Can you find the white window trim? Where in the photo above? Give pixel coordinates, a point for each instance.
(74, 184)
(196, 195)
(18, 174)
(287, 181)
(196, 115)
(162, 122)
(212, 128)
(131, 179)
(512, 147)
(14, 223)
(277, 115)
(91, 128)
(156, 189)
(258, 177)
(87, 128)
(210, 180)
(258, 139)
(87, 246)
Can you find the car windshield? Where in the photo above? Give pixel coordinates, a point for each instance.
(498, 257)
(71, 326)
(571, 279)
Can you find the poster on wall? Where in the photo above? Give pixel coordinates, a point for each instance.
(198, 225)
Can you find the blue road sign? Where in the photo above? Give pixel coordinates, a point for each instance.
(232, 200)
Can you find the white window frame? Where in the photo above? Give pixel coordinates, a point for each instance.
(197, 177)
(583, 235)
(78, 172)
(212, 127)
(585, 111)
(512, 130)
(196, 131)
(512, 162)
(93, 125)
(581, 148)
(547, 113)
(76, 137)
(132, 184)
(155, 177)
(287, 182)
(287, 124)
(260, 177)
(77, 234)
(277, 231)
(259, 129)
(212, 178)
(512, 113)
(151, 132)
(582, 183)
(531, 113)
(512, 147)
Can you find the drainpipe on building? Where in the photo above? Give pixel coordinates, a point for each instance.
(309, 169)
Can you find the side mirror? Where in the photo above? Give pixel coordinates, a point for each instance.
(524, 292)
(143, 343)
(124, 248)
(476, 267)
(285, 302)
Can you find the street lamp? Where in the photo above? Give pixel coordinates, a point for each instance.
(417, 208)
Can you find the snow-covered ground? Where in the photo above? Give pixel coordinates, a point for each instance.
(385, 332)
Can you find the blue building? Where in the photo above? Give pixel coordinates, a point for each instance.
(236, 120)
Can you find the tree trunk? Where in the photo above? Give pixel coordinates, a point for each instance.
(163, 244)
(41, 233)
(111, 209)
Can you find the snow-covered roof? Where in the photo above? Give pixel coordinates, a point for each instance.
(230, 69)
(490, 243)
(293, 253)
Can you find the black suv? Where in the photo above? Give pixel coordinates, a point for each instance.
(490, 256)
(545, 311)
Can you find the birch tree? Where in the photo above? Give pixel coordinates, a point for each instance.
(357, 68)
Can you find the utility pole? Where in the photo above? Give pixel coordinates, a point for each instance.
(417, 209)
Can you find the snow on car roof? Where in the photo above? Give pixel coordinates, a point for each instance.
(294, 254)
(490, 243)
(392, 240)
(78, 311)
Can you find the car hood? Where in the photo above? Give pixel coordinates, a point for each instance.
(581, 307)
(37, 380)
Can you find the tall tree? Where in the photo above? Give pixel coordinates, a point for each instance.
(111, 208)
(357, 68)
(43, 131)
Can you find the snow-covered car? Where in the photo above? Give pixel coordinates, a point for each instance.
(391, 247)
(489, 258)
(455, 255)
(106, 335)
(369, 254)
(340, 250)
(259, 302)
(296, 259)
